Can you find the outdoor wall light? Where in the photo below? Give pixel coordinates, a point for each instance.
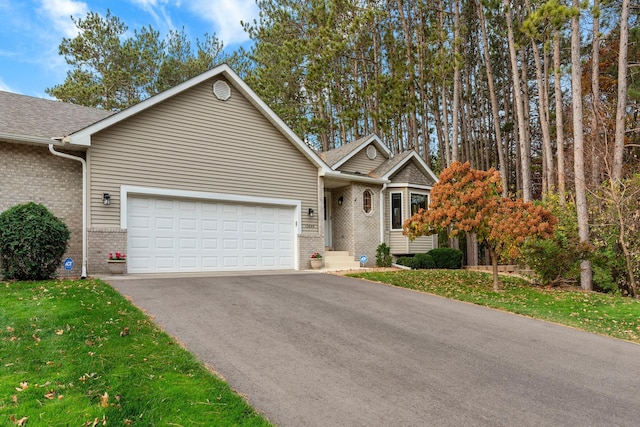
(340, 200)
(310, 212)
(106, 199)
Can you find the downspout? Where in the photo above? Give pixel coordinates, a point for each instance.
(83, 274)
(384, 187)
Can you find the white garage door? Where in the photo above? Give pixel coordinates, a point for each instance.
(170, 235)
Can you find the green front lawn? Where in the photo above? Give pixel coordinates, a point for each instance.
(595, 312)
(77, 353)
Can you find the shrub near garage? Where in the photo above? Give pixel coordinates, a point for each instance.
(32, 242)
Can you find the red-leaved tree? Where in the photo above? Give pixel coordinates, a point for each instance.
(467, 200)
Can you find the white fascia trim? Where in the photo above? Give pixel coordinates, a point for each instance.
(126, 190)
(12, 137)
(409, 185)
(420, 161)
(373, 138)
(353, 178)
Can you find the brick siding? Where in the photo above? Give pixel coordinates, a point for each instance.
(354, 230)
(102, 241)
(30, 173)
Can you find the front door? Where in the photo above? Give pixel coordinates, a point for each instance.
(328, 241)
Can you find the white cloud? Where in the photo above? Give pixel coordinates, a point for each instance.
(156, 8)
(60, 12)
(225, 15)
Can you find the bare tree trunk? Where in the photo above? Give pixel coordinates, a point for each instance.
(445, 122)
(543, 113)
(618, 200)
(559, 122)
(586, 281)
(525, 165)
(494, 269)
(494, 100)
(595, 90)
(441, 142)
(455, 114)
(618, 152)
(526, 108)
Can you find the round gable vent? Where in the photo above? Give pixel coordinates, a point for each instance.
(221, 90)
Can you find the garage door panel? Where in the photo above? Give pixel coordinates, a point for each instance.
(164, 262)
(188, 243)
(186, 235)
(165, 223)
(188, 224)
(160, 204)
(209, 224)
(164, 243)
(208, 243)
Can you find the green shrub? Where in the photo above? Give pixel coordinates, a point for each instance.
(555, 260)
(418, 262)
(424, 261)
(447, 257)
(383, 255)
(407, 261)
(32, 242)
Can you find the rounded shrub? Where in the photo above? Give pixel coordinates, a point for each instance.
(407, 261)
(32, 242)
(418, 261)
(424, 261)
(447, 257)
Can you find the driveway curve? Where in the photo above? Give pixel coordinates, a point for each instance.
(325, 350)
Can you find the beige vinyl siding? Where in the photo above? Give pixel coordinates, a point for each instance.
(196, 142)
(361, 163)
(398, 243)
(422, 244)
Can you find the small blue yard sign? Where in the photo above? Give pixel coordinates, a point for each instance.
(363, 259)
(68, 264)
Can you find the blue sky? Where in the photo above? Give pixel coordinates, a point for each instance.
(31, 31)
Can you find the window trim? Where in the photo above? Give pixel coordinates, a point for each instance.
(364, 197)
(421, 193)
(391, 209)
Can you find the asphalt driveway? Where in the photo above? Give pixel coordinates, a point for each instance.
(324, 350)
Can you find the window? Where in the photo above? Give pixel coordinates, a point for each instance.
(418, 201)
(396, 211)
(367, 198)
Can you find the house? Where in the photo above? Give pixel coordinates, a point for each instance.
(204, 177)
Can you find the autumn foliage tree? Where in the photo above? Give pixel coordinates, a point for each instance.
(467, 200)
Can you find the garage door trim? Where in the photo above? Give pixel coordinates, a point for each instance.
(127, 190)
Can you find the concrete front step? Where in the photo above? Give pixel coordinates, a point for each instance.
(339, 260)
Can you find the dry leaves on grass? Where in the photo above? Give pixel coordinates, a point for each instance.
(19, 422)
(96, 422)
(104, 400)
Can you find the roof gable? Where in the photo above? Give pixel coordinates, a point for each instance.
(398, 162)
(84, 136)
(339, 156)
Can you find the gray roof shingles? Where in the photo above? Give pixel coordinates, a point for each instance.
(43, 118)
(333, 156)
(388, 165)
